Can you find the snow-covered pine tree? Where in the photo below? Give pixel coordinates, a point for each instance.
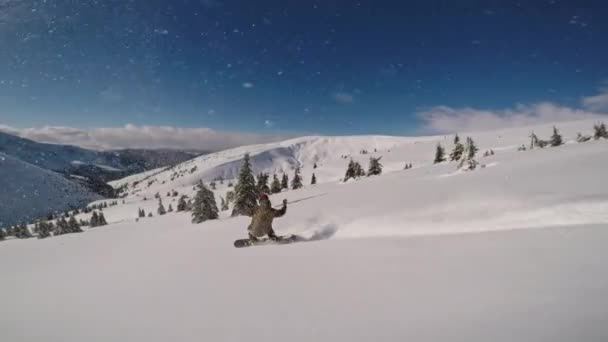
(22, 232)
(245, 190)
(472, 150)
(73, 225)
(212, 185)
(359, 172)
(2, 234)
(556, 138)
(296, 182)
(599, 131)
(285, 181)
(350, 171)
(44, 230)
(230, 196)
(170, 209)
(150, 214)
(275, 186)
(94, 221)
(468, 162)
(456, 153)
(102, 219)
(223, 204)
(161, 208)
(262, 183)
(61, 227)
(522, 148)
(375, 168)
(181, 203)
(313, 180)
(439, 154)
(205, 207)
(314, 166)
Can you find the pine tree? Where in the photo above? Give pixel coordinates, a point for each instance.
(458, 149)
(600, 131)
(94, 221)
(439, 154)
(73, 225)
(556, 138)
(181, 203)
(350, 171)
(468, 161)
(22, 232)
(150, 214)
(44, 230)
(2, 234)
(205, 207)
(375, 168)
(212, 185)
(245, 190)
(230, 197)
(359, 172)
(314, 166)
(161, 208)
(170, 209)
(102, 220)
(285, 182)
(224, 204)
(61, 227)
(296, 182)
(313, 181)
(275, 186)
(262, 183)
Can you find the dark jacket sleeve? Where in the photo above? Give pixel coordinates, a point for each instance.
(279, 212)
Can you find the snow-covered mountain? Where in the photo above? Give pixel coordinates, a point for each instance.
(331, 155)
(393, 257)
(29, 191)
(105, 165)
(36, 173)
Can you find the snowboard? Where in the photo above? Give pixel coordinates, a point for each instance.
(283, 240)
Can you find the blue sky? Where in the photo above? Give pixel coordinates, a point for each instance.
(273, 67)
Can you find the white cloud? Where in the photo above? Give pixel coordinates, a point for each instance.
(131, 136)
(343, 97)
(597, 102)
(444, 119)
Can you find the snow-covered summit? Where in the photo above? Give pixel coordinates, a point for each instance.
(331, 155)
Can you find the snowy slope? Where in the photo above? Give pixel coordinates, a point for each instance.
(331, 154)
(29, 192)
(531, 266)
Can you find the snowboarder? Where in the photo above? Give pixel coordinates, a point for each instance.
(261, 219)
